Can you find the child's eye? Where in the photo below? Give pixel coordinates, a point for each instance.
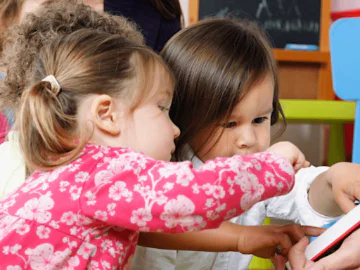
(229, 125)
(163, 108)
(259, 120)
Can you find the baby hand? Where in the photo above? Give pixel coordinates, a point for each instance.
(290, 152)
(264, 241)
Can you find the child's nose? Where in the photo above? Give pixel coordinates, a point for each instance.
(246, 139)
(176, 131)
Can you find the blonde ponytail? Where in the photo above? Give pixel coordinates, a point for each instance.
(45, 130)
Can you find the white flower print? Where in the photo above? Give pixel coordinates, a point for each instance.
(178, 212)
(22, 228)
(196, 189)
(43, 257)
(140, 217)
(91, 198)
(82, 220)
(33, 184)
(198, 224)
(72, 262)
(101, 215)
(105, 264)
(119, 190)
(36, 209)
(168, 186)
(111, 207)
(81, 177)
(253, 191)
(94, 265)
(74, 230)
(75, 192)
(9, 203)
(105, 245)
(269, 179)
(230, 214)
(212, 215)
(14, 249)
(183, 173)
(73, 167)
(86, 250)
(63, 185)
(54, 225)
(221, 208)
(216, 191)
(43, 232)
(285, 166)
(257, 164)
(69, 218)
(209, 202)
(6, 250)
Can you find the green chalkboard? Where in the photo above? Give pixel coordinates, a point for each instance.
(285, 21)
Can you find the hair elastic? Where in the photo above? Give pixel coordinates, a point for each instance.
(55, 86)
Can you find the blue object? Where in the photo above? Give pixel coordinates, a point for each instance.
(345, 62)
(301, 47)
(325, 226)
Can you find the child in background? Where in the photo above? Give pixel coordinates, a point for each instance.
(26, 39)
(89, 129)
(225, 102)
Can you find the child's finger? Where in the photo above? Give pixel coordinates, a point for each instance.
(312, 231)
(296, 254)
(284, 242)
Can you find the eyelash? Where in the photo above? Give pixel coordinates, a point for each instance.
(255, 121)
(263, 119)
(163, 108)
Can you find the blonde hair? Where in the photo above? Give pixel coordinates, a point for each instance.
(37, 29)
(83, 62)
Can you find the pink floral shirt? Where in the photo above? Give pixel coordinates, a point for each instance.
(88, 214)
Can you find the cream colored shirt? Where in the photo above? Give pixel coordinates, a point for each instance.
(12, 166)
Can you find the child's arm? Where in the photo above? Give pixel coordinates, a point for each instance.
(136, 192)
(335, 190)
(261, 241)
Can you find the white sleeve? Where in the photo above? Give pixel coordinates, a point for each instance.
(295, 205)
(12, 166)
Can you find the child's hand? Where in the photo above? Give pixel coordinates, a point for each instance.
(290, 152)
(346, 257)
(344, 179)
(264, 241)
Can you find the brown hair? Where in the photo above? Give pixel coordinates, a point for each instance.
(9, 12)
(215, 63)
(83, 62)
(169, 9)
(51, 21)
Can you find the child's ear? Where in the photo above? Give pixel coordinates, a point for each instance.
(105, 116)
